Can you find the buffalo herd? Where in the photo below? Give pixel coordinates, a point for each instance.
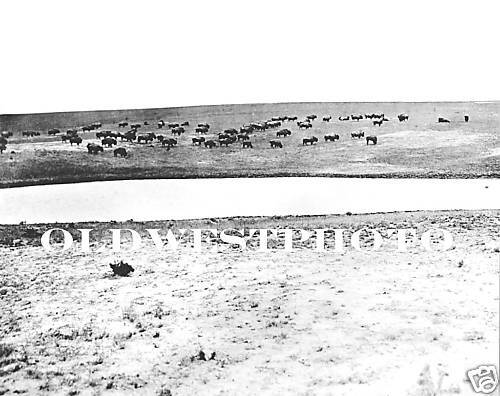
(225, 138)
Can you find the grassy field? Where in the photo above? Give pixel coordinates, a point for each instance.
(306, 322)
(418, 148)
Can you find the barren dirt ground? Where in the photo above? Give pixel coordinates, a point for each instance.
(304, 322)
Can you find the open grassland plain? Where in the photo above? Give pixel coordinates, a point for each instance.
(417, 147)
(241, 322)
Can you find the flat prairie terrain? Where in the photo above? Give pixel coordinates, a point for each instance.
(419, 147)
(240, 322)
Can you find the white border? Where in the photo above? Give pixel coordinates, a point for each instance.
(86, 55)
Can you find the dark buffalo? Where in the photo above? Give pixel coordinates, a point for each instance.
(378, 122)
(356, 117)
(53, 131)
(231, 131)
(403, 117)
(65, 138)
(108, 141)
(76, 139)
(346, 118)
(94, 148)
(284, 133)
(304, 125)
(130, 136)
(327, 119)
(247, 144)
(310, 140)
(169, 142)
(185, 123)
(210, 144)
(312, 117)
(137, 125)
(122, 124)
(204, 125)
(276, 144)
(120, 151)
(372, 139)
(198, 140)
(178, 131)
(145, 138)
(246, 129)
(243, 136)
(331, 138)
(466, 118)
(201, 130)
(358, 135)
(3, 140)
(441, 119)
(3, 147)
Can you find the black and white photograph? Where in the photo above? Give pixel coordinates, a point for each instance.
(266, 198)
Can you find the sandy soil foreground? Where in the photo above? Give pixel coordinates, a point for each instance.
(241, 322)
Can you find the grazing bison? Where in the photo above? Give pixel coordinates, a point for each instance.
(346, 118)
(284, 133)
(312, 117)
(304, 125)
(403, 117)
(372, 139)
(120, 151)
(331, 138)
(122, 124)
(247, 144)
(178, 130)
(146, 138)
(3, 140)
(210, 144)
(292, 118)
(65, 138)
(6, 134)
(185, 123)
(246, 129)
(204, 125)
(137, 125)
(243, 136)
(169, 142)
(198, 140)
(225, 142)
(378, 122)
(441, 119)
(358, 135)
(327, 119)
(466, 118)
(76, 139)
(276, 144)
(3, 147)
(53, 131)
(201, 130)
(356, 117)
(94, 148)
(231, 131)
(130, 136)
(108, 141)
(310, 140)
